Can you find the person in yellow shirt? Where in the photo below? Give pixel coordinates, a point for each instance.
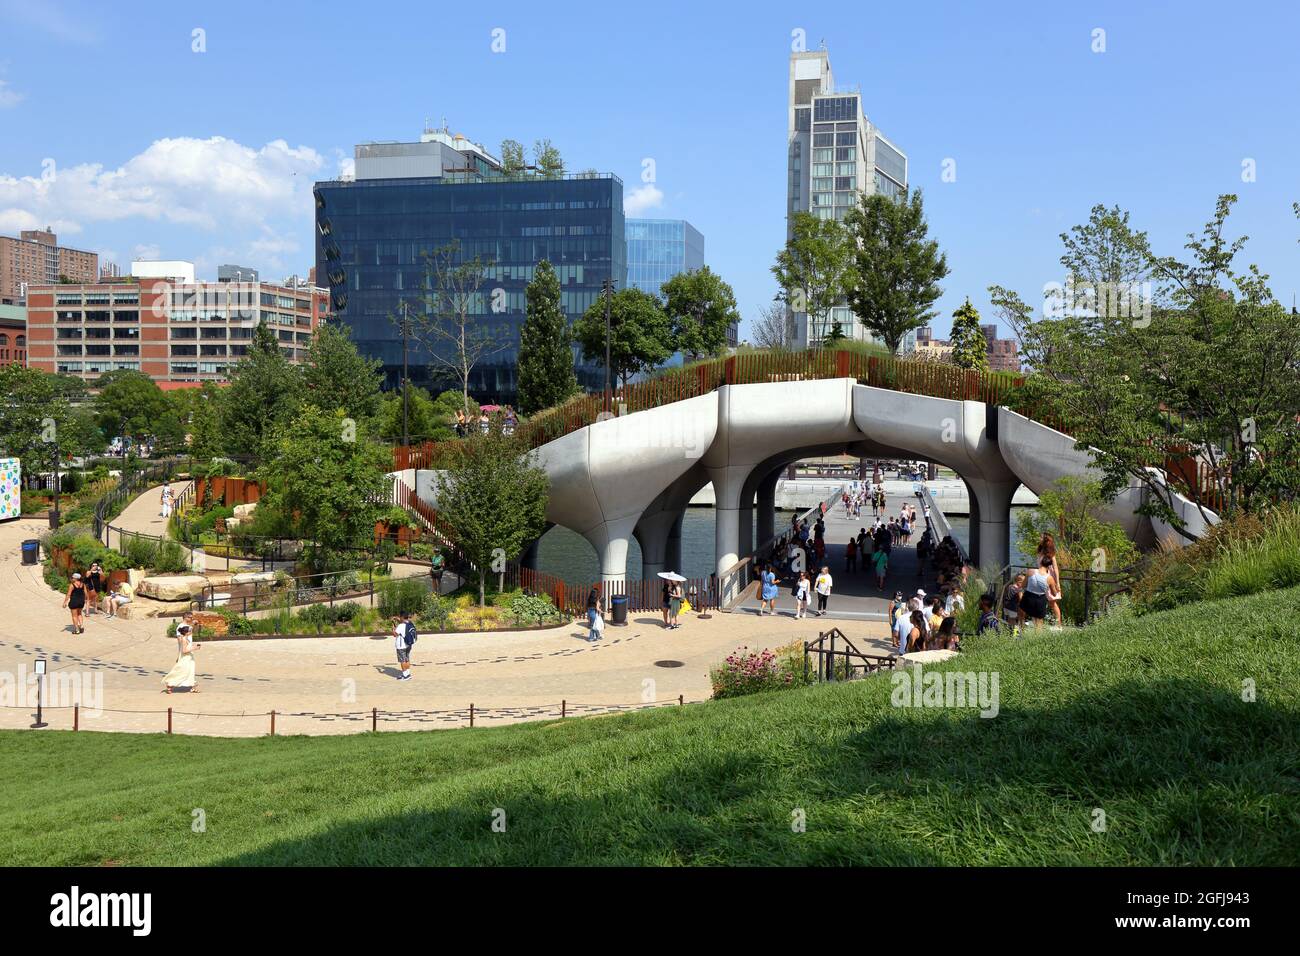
(122, 594)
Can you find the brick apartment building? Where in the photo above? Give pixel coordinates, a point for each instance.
(13, 334)
(176, 333)
(36, 258)
(1003, 354)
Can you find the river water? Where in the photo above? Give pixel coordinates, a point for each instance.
(567, 554)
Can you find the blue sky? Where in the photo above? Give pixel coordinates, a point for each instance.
(114, 131)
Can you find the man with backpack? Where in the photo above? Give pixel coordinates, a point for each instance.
(404, 638)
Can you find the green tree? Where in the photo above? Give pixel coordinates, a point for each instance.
(835, 336)
(38, 418)
(329, 476)
(893, 279)
(810, 270)
(1071, 512)
(702, 308)
(547, 159)
(450, 320)
(641, 336)
(1210, 380)
(494, 497)
(265, 390)
(545, 368)
(969, 347)
(429, 419)
(512, 157)
(131, 403)
(207, 439)
(338, 376)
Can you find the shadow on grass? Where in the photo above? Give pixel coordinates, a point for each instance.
(1185, 772)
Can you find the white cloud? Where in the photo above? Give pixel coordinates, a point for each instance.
(147, 250)
(641, 199)
(9, 97)
(211, 184)
(347, 166)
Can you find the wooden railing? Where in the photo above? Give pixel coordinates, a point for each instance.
(880, 371)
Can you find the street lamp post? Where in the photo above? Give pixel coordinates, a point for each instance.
(54, 515)
(406, 438)
(609, 294)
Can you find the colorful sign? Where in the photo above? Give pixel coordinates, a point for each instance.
(11, 485)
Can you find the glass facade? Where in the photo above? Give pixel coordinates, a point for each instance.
(658, 249)
(373, 235)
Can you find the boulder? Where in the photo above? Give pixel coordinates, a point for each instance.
(143, 607)
(253, 577)
(245, 511)
(173, 587)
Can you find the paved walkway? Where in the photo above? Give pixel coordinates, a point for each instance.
(310, 682)
(854, 595)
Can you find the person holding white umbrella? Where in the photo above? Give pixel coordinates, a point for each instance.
(674, 596)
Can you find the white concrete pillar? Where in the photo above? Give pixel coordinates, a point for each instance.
(990, 520)
(745, 539)
(673, 552)
(767, 506)
(610, 539)
(653, 532)
(728, 485)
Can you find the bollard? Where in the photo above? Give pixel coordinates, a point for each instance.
(76, 716)
(471, 715)
(374, 720)
(169, 720)
(272, 723)
(681, 700)
(564, 707)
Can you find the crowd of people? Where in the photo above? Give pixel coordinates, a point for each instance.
(505, 416)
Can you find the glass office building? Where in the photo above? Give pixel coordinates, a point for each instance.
(373, 236)
(836, 155)
(658, 249)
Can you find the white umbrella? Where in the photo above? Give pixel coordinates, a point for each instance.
(671, 576)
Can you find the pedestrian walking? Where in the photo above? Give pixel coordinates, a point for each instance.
(823, 589)
(403, 641)
(94, 585)
(594, 614)
(881, 559)
(1038, 585)
(1012, 611)
(802, 592)
(75, 601)
(851, 555)
(437, 565)
(767, 604)
(162, 499)
(183, 673)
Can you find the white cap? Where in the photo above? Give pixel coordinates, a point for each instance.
(920, 593)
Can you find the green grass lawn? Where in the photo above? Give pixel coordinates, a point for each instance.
(1141, 718)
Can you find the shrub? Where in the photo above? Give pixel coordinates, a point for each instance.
(528, 610)
(140, 552)
(1244, 555)
(404, 595)
(750, 672)
(170, 558)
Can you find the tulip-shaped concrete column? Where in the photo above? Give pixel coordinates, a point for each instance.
(767, 505)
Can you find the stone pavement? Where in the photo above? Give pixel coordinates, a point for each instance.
(330, 685)
(854, 595)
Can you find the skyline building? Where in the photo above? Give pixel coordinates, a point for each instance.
(658, 249)
(835, 155)
(375, 231)
(36, 258)
(168, 326)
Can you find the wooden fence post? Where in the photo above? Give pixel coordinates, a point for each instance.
(374, 720)
(272, 723)
(169, 720)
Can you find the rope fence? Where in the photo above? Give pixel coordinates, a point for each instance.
(470, 716)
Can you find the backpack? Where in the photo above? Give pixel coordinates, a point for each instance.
(411, 636)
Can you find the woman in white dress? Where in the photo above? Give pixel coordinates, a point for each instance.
(182, 672)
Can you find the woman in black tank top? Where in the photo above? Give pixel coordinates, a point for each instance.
(75, 601)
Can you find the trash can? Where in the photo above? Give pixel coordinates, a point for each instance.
(31, 551)
(618, 607)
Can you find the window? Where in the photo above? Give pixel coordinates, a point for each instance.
(835, 108)
(184, 333)
(128, 316)
(823, 139)
(845, 153)
(823, 169)
(184, 368)
(846, 139)
(823, 155)
(846, 169)
(185, 350)
(844, 182)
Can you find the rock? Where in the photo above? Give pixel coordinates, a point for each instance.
(211, 625)
(143, 607)
(244, 511)
(173, 587)
(253, 577)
